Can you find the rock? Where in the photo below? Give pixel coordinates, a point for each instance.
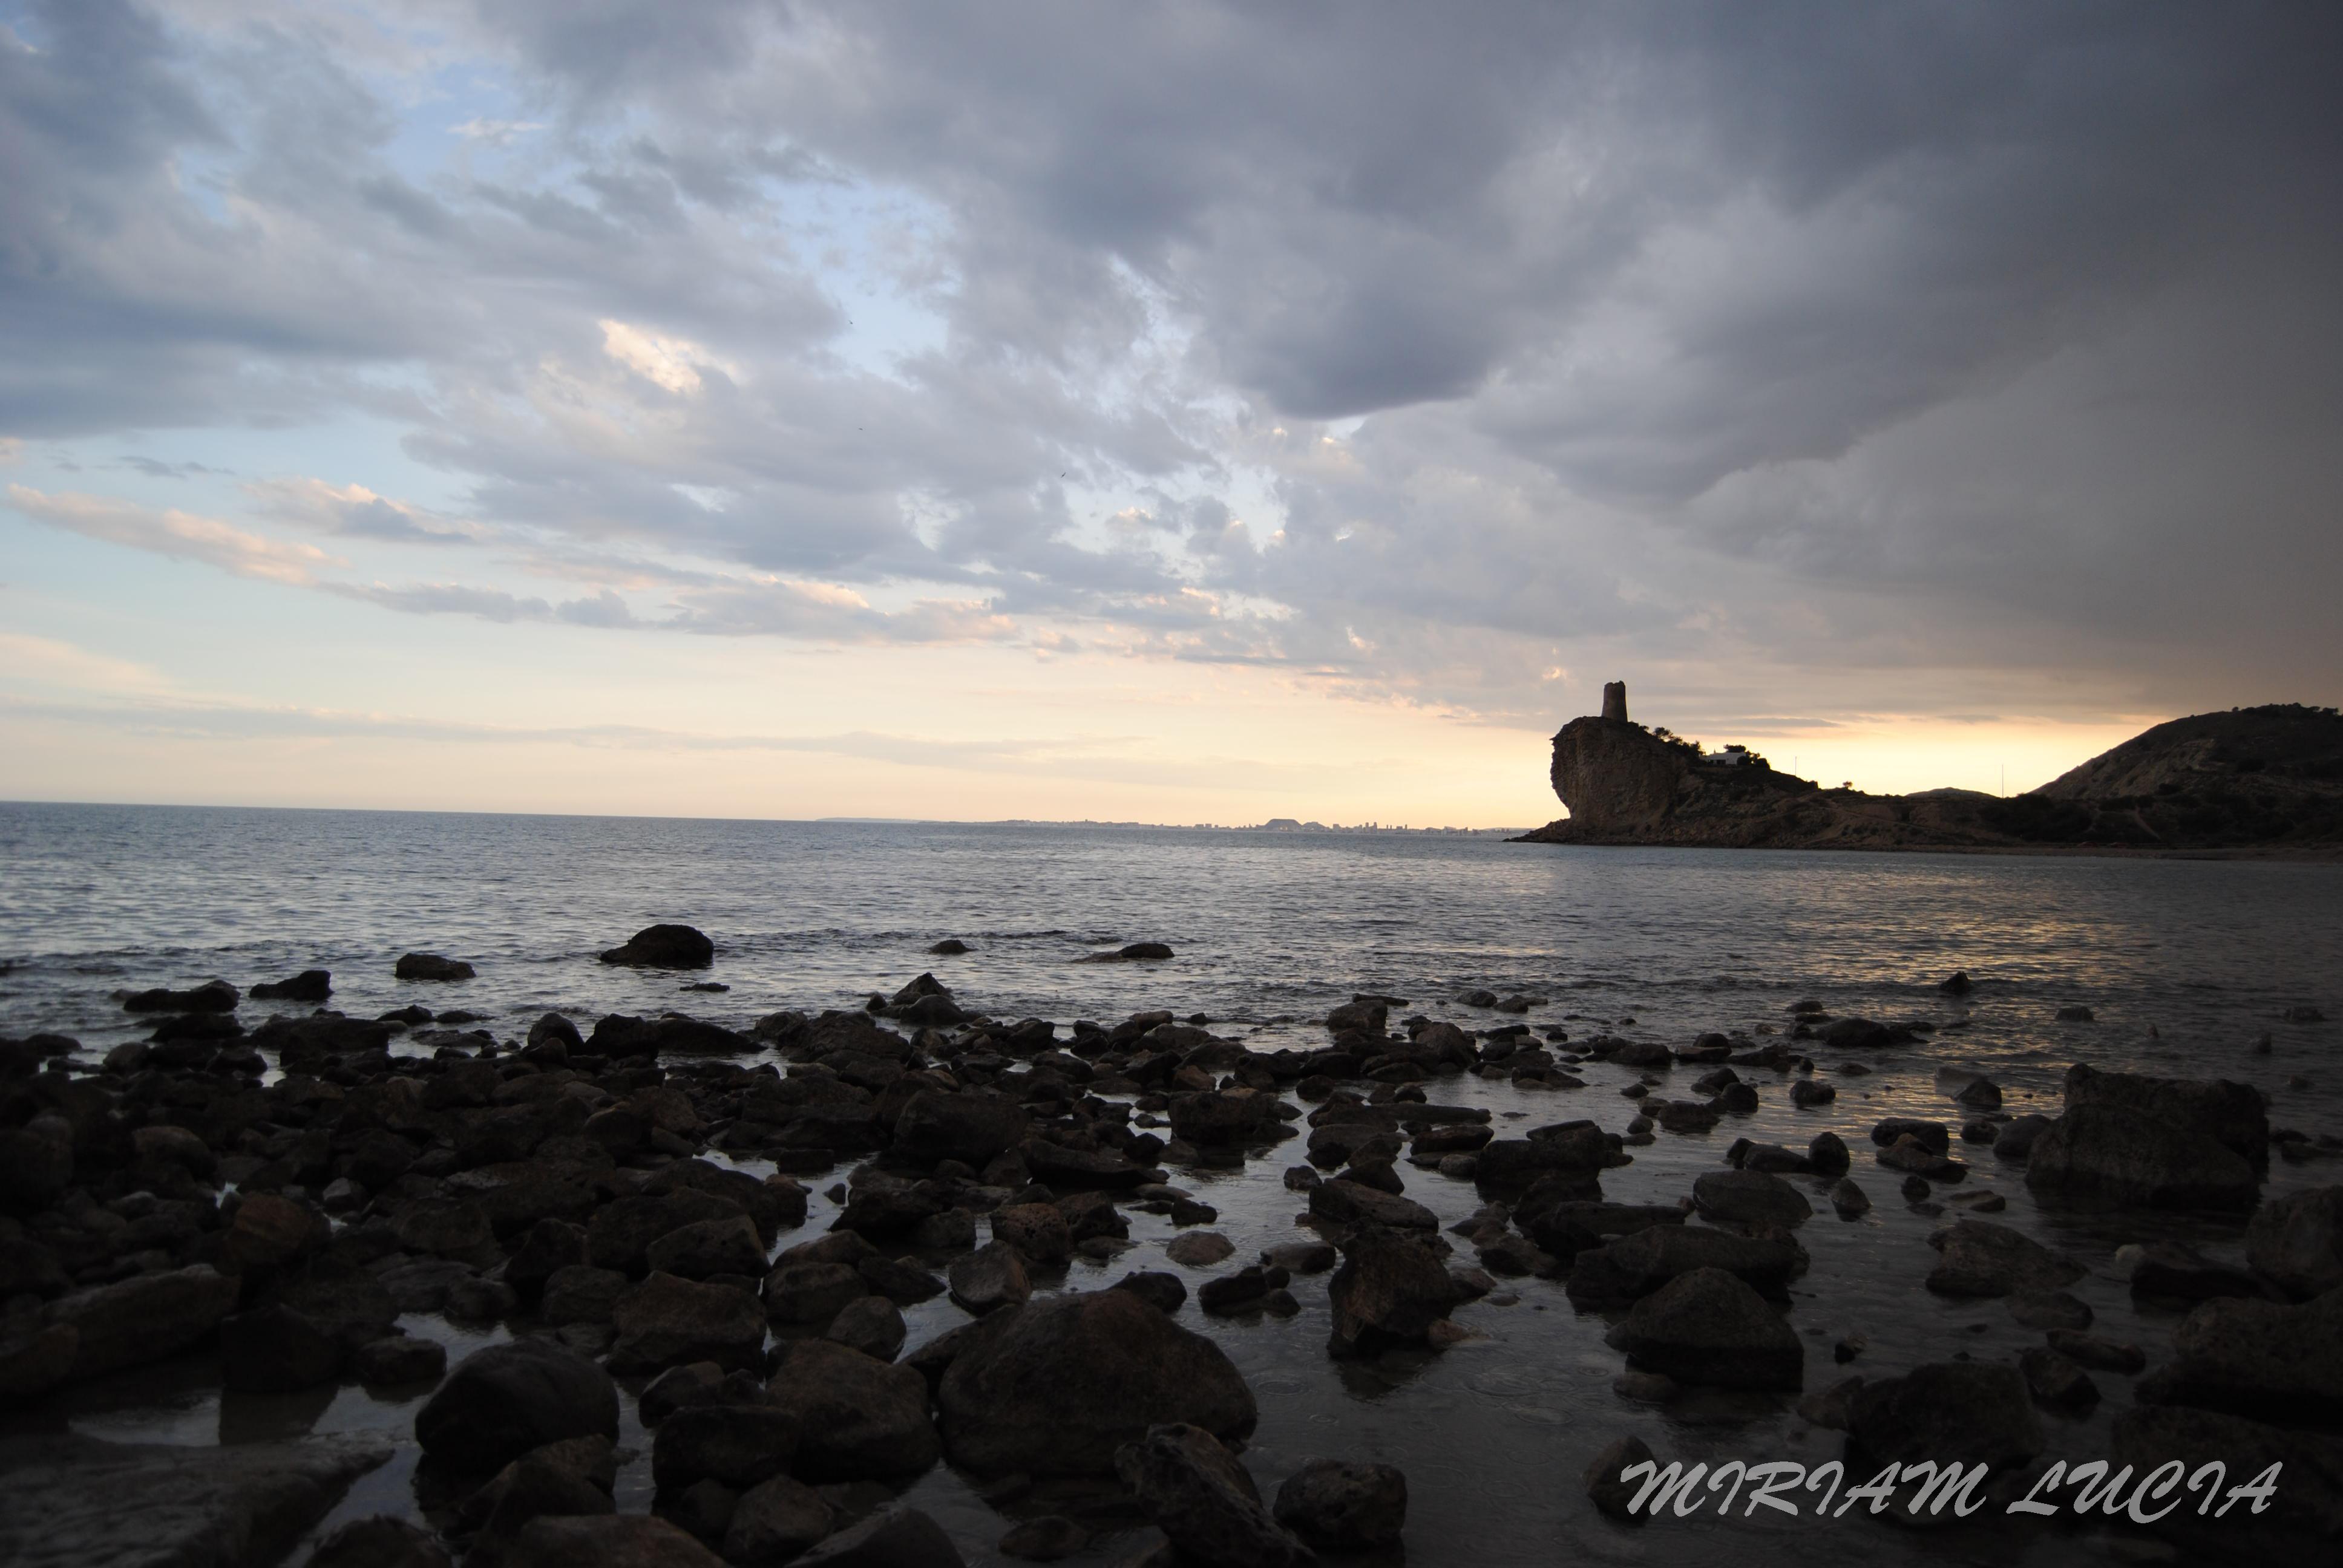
(142, 1319)
(951, 947)
(377, 1541)
(2049, 1309)
(398, 1360)
(1343, 1504)
(1708, 1326)
(2304, 1516)
(901, 1281)
(2295, 1242)
(974, 1128)
(1979, 1258)
(1933, 1136)
(1054, 1387)
(310, 985)
(1635, 1266)
(774, 1521)
(272, 1349)
(1947, 1410)
(1848, 1199)
(1832, 1408)
(2055, 1382)
(1356, 1204)
(610, 1541)
(901, 1537)
(1567, 1229)
(811, 1292)
(35, 1359)
(1807, 1091)
(1199, 1249)
(2075, 1013)
(1204, 1501)
(1043, 1540)
(1166, 1292)
(668, 1320)
(679, 1388)
(1749, 1198)
(580, 1293)
(1957, 983)
(2171, 1272)
(1224, 1118)
(739, 1444)
(664, 947)
(75, 1500)
(728, 1245)
(1038, 1231)
(620, 1234)
(504, 1400)
(2108, 1156)
(2100, 1355)
(1390, 1291)
(1604, 1486)
(2017, 1136)
(431, 967)
(1234, 1293)
(2263, 1360)
(1302, 1257)
(211, 997)
(873, 1325)
(2235, 1115)
(862, 1418)
(990, 1278)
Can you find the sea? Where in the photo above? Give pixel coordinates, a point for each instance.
(2191, 968)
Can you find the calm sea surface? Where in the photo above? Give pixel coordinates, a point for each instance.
(2184, 963)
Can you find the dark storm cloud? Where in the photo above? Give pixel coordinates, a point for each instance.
(1725, 338)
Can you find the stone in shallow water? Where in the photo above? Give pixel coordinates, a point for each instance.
(1708, 1326)
(1204, 1501)
(1982, 1259)
(2049, 1309)
(247, 1503)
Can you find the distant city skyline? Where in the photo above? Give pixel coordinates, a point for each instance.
(1182, 414)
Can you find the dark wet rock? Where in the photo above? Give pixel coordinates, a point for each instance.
(379, 1541)
(811, 1291)
(1832, 1408)
(1847, 1200)
(2263, 1360)
(1234, 1293)
(549, 1245)
(737, 1443)
(1749, 1198)
(1969, 1411)
(1224, 1118)
(1565, 1230)
(1808, 1092)
(974, 1128)
(1857, 1034)
(2295, 1242)
(1635, 1266)
(990, 1278)
(2075, 1013)
(1038, 1231)
(272, 1349)
(2235, 1115)
(668, 1320)
(1934, 1136)
(951, 947)
(2106, 1155)
(2042, 1309)
(1390, 1291)
(1082, 1170)
(2098, 1354)
(2305, 1517)
(399, 1361)
(679, 1388)
(1957, 983)
(310, 985)
(620, 1234)
(1204, 1501)
(1356, 1204)
(66, 1499)
(504, 1400)
(580, 1293)
(1164, 1292)
(1303, 1257)
(610, 1541)
(873, 1325)
(901, 1281)
(1054, 1387)
(774, 1522)
(664, 947)
(142, 1319)
(2017, 1136)
(704, 1248)
(211, 997)
(1044, 1540)
(1910, 1154)
(1979, 1258)
(1604, 1486)
(431, 967)
(861, 1418)
(1708, 1326)
(901, 1537)
(1646, 1387)
(1682, 1116)
(2055, 1382)
(2175, 1273)
(1199, 1249)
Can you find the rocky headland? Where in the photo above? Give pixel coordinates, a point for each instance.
(2264, 779)
(701, 1251)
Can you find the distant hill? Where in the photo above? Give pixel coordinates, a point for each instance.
(2253, 777)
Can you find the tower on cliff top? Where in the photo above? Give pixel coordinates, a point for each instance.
(1614, 700)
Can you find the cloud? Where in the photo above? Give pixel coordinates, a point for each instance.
(493, 133)
(49, 661)
(182, 536)
(357, 511)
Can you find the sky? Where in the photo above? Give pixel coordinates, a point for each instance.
(1184, 413)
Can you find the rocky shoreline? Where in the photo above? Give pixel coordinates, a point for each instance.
(631, 1213)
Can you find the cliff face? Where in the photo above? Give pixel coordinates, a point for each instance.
(2253, 777)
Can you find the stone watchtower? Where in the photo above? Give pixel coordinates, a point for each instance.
(1615, 701)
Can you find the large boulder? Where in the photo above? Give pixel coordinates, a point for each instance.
(664, 947)
(975, 1129)
(1967, 1411)
(1749, 1198)
(608, 1540)
(1390, 1291)
(1568, 1229)
(2295, 1242)
(1636, 1266)
(667, 1321)
(860, 1419)
(1204, 1501)
(1982, 1259)
(737, 1444)
(1709, 1326)
(1343, 1506)
(899, 1537)
(144, 1318)
(2234, 1115)
(2110, 1156)
(504, 1400)
(620, 1234)
(1355, 1206)
(1054, 1387)
(1225, 1118)
(2264, 1360)
(2304, 1521)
